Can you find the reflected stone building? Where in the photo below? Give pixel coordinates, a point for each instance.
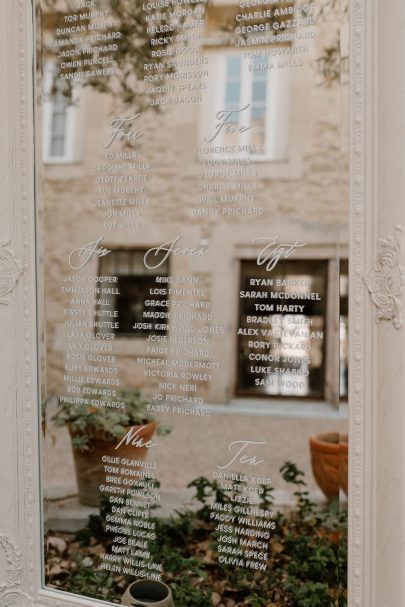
(206, 185)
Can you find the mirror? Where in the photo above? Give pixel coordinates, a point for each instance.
(193, 211)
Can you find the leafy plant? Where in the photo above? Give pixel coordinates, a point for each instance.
(306, 566)
(186, 594)
(257, 601)
(125, 84)
(89, 582)
(87, 422)
(293, 475)
(206, 490)
(266, 497)
(308, 594)
(329, 64)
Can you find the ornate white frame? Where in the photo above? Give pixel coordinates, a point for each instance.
(376, 523)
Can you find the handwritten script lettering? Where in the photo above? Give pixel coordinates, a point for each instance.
(156, 257)
(273, 251)
(228, 122)
(238, 449)
(118, 126)
(81, 256)
(132, 438)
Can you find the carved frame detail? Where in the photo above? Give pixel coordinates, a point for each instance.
(386, 280)
(10, 271)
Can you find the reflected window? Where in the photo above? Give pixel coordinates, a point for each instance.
(57, 144)
(135, 287)
(255, 98)
(60, 119)
(282, 329)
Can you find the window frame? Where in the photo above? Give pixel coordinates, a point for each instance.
(323, 395)
(71, 152)
(278, 89)
(119, 250)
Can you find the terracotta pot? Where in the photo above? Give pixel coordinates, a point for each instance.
(329, 462)
(147, 592)
(343, 462)
(89, 467)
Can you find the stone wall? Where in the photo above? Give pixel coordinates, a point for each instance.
(303, 197)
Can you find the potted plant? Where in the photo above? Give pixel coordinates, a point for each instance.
(329, 456)
(97, 430)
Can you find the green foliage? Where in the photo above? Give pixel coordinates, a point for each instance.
(256, 601)
(96, 525)
(293, 475)
(125, 84)
(307, 554)
(266, 497)
(306, 569)
(186, 594)
(104, 423)
(174, 547)
(88, 581)
(329, 64)
(308, 594)
(208, 491)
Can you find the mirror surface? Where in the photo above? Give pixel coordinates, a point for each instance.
(193, 220)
